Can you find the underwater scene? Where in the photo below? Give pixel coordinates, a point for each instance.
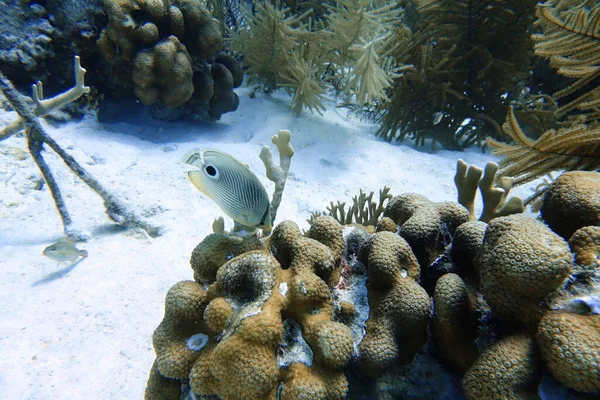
(286, 199)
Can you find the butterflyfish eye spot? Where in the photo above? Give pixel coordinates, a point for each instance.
(210, 170)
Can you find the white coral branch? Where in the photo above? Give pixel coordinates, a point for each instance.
(44, 106)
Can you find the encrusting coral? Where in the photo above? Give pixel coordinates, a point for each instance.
(585, 245)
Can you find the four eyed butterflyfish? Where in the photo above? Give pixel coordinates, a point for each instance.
(231, 185)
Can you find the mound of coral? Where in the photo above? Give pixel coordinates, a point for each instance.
(451, 307)
(168, 54)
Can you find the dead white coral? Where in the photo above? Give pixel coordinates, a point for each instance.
(44, 106)
(278, 173)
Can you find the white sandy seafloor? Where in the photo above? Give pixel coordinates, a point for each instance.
(85, 331)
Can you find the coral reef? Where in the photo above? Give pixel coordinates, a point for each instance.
(178, 39)
(485, 310)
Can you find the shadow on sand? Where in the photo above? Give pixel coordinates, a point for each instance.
(57, 274)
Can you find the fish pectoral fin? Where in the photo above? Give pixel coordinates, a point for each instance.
(196, 178)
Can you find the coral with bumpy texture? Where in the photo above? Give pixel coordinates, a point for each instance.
(399, 308)
(425, 225)
(215, 250)
(194, 74)
(572, 202)
(161, 388)
(506, 370)
(303, 382)
(389, 258)
(520, 263)
(454, 323)
(466, 244)
(163, 73)
(241, 314)
(184, 308)
(570, 347)
(585, 244)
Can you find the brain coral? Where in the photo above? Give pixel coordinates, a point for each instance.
(506, 370)
(520, 263)
(572, 202)
(399, 308)
(570, 347)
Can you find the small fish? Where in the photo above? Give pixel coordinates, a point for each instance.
(232, 186)
(63, 251)
(437, 117)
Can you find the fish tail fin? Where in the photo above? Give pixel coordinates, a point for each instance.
(83, 253)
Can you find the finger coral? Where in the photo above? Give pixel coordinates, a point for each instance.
(520, 263)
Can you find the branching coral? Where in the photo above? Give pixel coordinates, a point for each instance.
(36, 138)
(494, 191)
(364, 210)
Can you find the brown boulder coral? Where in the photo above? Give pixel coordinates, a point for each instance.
(175, 48)
(570, 347)
(425, 225)
(454, 323)
(163, 73)
(243, 318)
(506, 370)
(585, 245)
(399, 308)
(572, 202)
(520, 263)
